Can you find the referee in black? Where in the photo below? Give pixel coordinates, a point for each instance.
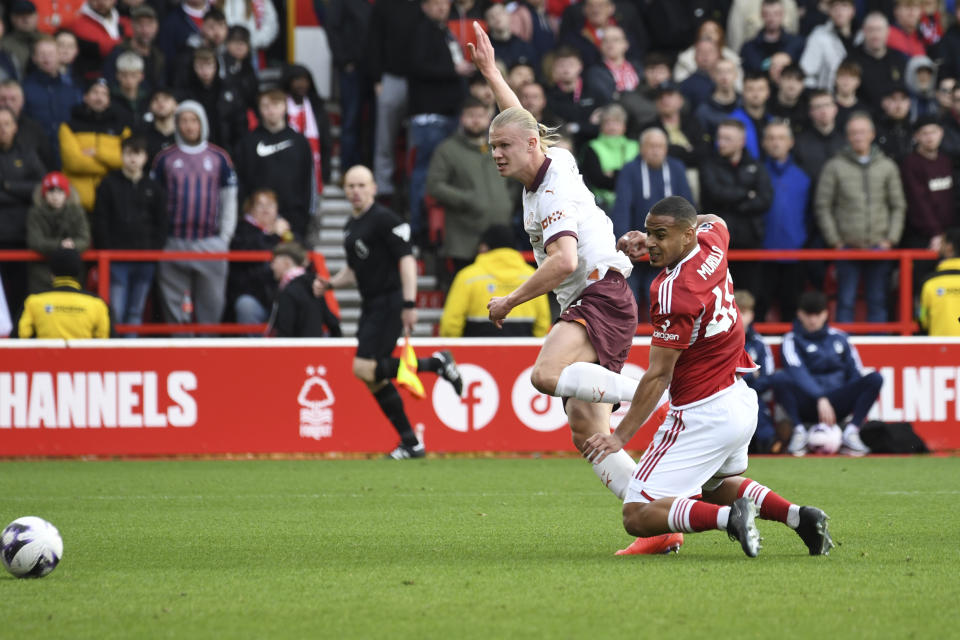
(380, 263)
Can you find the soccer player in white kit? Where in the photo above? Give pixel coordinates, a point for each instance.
(689, 477)
(577, 258)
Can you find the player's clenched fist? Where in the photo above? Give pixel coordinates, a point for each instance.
(634, 244)
(498, 308)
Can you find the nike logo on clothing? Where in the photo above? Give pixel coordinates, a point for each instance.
(264, 150)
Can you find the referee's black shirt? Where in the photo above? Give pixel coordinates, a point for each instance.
(374, 243)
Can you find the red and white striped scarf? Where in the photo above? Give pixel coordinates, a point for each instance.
(293, 272)
(624, 75)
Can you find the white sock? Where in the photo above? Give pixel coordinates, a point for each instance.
(592, 383)
(723, 517)
(793, 516)
(615, 472)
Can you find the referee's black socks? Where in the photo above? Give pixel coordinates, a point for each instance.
(392, 406)
(387, 367)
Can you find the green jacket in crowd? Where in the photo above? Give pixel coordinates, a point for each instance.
(465, 181)
(859, 205)
(47, 228)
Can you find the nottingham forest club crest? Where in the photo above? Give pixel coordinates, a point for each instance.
(316, 402)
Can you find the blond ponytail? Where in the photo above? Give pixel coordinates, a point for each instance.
(522, 118)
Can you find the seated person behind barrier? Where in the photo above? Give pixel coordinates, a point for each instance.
(823, 380)
(498, 270)
(66, 310)
(765, 435)
(251, 286)
(940, 295)
(297, 313)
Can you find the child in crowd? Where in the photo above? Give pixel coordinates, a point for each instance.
(130, 213)
(238, 71)
(848, 82)
(129, 96)
(56, 220)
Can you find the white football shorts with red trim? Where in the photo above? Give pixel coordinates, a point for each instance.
(697, 446)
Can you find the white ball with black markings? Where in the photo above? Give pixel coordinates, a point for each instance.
(30, 547)
(824, 439)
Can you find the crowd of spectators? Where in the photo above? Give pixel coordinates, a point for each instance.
(830, 124)
(155, 123)
(825, 124)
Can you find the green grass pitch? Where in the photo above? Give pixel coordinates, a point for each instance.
(468, 548)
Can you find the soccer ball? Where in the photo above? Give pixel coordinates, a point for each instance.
(824, 439)
(30, 547)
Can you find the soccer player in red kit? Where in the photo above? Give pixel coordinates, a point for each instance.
(688, 479)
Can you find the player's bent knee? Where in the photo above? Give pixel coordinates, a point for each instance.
(874, 379)
(543, 380)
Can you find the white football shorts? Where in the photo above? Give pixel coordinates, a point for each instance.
(695, 448)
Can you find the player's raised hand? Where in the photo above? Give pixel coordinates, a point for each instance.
(600, 445)
(498, 308)
(634, 244)
(482, 54)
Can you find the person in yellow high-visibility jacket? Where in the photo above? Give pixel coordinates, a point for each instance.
(497, 270)
(940, 295)
(66, 310)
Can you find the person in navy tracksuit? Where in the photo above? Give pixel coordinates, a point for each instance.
(823, 379)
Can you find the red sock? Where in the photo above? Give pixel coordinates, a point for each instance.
(771, 505)
(688, 516)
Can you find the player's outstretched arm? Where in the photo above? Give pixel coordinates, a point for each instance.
(483, 56)
(654, 382)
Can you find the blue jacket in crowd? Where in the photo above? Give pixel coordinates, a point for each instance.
(755, 54)
(820, 361)
(751, 135)
(49, 100)
(631, 207)
(786, 221)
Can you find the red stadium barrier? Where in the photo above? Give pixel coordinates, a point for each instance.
(904, 325)
(103, 258)
(197, 396)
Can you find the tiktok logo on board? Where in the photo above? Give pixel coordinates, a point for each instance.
(537, 411)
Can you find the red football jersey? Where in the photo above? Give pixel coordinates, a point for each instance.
(692, 308)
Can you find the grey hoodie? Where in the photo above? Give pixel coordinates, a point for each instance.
(910, 76)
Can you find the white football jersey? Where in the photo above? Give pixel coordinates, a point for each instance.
(560, 204)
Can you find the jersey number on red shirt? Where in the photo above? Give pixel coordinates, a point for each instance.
(724, 310)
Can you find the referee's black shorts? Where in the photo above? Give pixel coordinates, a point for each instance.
(380, 326)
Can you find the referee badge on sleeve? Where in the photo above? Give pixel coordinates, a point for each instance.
(402, 231)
